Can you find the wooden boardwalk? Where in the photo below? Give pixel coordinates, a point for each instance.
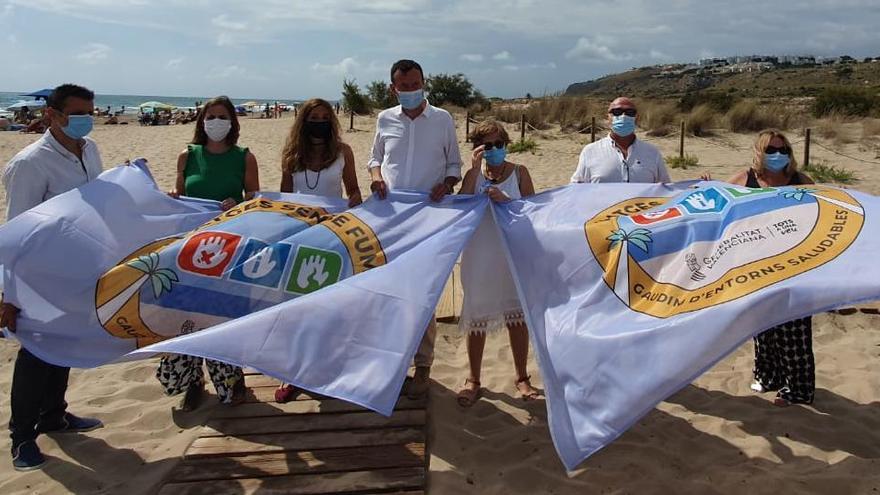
(308, 446)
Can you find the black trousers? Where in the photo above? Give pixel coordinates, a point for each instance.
(38, 390)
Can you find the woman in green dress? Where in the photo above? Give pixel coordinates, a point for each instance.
(214, 167)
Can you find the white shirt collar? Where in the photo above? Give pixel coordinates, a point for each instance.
(49, 139)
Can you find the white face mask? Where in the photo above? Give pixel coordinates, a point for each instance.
(217, 129)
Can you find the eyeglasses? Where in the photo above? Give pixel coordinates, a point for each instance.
(617, 112)
(785, 150)
(497, 144)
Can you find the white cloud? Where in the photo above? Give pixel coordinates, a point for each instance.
(505, 55)
(471, 57)
(223, 21)
(597, 49)
(174, 63)
(93, 53)
(345, 66)
(511, 67)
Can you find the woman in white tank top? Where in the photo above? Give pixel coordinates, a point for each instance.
(490, 299)
(315, 160)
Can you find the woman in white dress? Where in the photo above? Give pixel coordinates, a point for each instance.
(490, 299)
(316, 161)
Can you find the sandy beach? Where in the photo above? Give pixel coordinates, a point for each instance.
(715, 436)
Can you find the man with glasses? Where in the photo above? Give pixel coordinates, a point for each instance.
(620, 157)
(63, 159)
(415, 149)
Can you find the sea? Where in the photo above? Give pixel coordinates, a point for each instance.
(131, 102)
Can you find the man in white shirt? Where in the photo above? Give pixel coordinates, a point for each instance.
(61, 160)
(416, 149)
(620, 157)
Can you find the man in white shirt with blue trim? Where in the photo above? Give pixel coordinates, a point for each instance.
(415, 149)
(61, 160)
(620, 157)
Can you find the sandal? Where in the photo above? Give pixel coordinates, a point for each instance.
(467, 397)
(285, 393)
(532, 393)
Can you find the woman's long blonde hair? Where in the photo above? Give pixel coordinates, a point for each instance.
(299, 145)
(764, 138)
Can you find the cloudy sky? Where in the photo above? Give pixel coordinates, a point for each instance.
(299, 49)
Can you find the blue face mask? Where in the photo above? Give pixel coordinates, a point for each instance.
(78, 126)
(410, 100)
(495, 156)
(775, 162)
(623, 125)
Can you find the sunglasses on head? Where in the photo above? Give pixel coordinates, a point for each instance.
(617, 112)
(489, 145)
(785, 150)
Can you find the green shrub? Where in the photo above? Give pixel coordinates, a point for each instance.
(682, 162)
(522, 145)
(352, 98)
(717, 100)
(380, 95)
(821, 171)
(845, 101)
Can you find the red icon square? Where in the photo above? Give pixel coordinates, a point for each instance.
(208, 253)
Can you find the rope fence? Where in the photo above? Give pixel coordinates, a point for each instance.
(524, 126)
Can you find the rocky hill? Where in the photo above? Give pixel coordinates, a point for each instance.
(779, 81)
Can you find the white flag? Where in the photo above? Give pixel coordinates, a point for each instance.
(631, 291)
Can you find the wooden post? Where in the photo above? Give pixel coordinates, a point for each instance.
(351, 120)
(522, 125)
(681, 141)
(592, 129)
(807, 148)
(467, 126)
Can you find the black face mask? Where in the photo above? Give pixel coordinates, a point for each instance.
(318, 130)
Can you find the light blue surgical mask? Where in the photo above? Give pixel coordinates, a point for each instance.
(623, 125)
(775, 162)
(495, 156)
(78, 126)
(410, 100)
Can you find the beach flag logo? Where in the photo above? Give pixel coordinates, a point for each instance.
(208, 253)
(313, 269)
(724, 243)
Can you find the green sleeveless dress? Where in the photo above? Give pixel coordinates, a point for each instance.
(217, 177)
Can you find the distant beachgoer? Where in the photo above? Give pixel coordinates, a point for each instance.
(62, 160)
(490, 299)
(214, 167)
(784, 361)
(415, 148)
(316, 161)
(620, 157)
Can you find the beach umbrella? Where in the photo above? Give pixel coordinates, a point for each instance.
(251, 104)
(31, 104)
(157, 105)
(43, 93)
